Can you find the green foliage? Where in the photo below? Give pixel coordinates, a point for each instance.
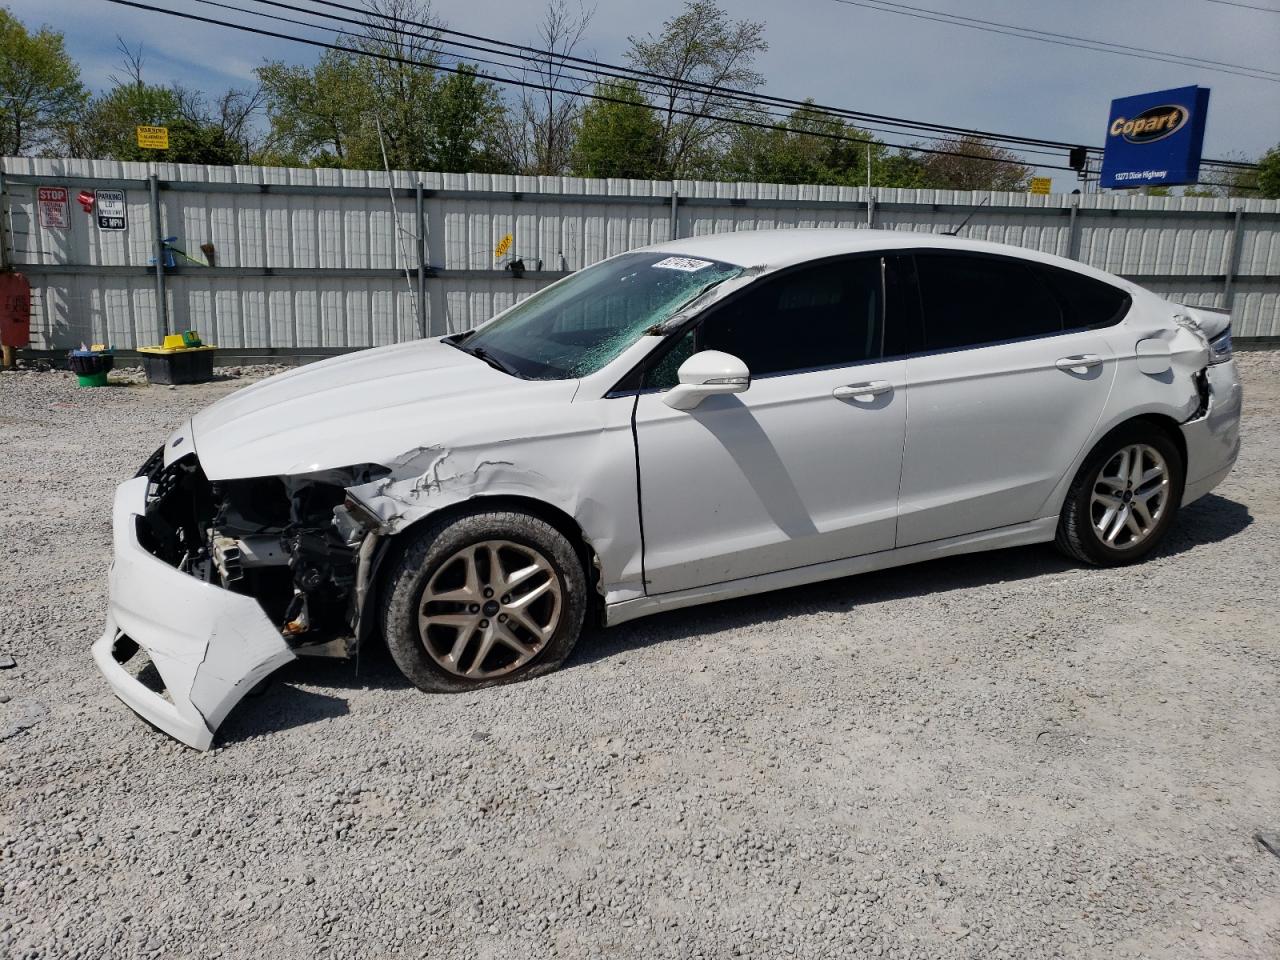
(811, 147)
(343, 112)
(320, 115)
(973, 164)
(107, 128)
(701, 46)
(1269, 174)
(618, 137)
(40, 88)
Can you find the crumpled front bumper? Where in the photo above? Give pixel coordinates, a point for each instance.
(210, 646)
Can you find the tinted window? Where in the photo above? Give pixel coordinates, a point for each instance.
(1086, 303)
(969, 301)
(821, 316)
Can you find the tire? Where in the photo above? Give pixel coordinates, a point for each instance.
(1085, 529)
(436, 593)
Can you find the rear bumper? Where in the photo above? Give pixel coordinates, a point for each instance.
(1213, 440)
(210, 646)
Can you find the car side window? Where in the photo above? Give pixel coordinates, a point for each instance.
(825, 315)
(1087, 304)
(969, 301)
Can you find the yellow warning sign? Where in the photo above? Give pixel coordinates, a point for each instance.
(153, 138)
(1041, 184)
(503, 246)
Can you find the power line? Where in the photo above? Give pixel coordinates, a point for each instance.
(1247, 6)
(1065, 40)
(629, 73)
(245, 28)
(758, 103)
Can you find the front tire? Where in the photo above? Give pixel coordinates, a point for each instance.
(1124, 498)
(486, 598)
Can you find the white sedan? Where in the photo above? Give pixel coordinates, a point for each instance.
(702, 419)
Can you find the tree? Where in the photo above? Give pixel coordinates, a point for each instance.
(404, 48)
(807, 147)
(701, 46)
(463, 117)
(1268, 175)
(619, 136)
(389, 104)
(40, 88)
(197, 134)
(538, 135)
(320, 115)
(972, 163)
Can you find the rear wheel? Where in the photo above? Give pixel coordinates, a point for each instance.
(1124, 498)
(486, 598)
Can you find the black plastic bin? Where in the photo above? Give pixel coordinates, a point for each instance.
(185, 365)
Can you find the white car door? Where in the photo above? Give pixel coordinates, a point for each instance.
(801, 468)
(1004, 394)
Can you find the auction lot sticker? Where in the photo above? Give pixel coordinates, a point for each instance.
(687, 264)
(111, 210)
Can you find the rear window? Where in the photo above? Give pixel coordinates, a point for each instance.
(1086, 303)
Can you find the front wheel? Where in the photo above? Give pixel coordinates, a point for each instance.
(490, 597)
(1124, 499)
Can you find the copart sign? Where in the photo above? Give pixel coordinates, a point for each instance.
(1155, 138)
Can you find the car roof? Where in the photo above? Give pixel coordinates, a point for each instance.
(774, 249)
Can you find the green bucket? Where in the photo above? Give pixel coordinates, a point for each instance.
(92, 379)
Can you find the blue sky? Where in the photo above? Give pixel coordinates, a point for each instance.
(838, 54)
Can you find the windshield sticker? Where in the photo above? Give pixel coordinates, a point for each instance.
(687, 264)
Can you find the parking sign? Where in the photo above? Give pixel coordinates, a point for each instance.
(111, 209)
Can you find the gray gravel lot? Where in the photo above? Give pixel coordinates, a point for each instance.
(996, 756)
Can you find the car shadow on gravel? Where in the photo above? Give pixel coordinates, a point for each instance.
(1208, 520)
(283, 704)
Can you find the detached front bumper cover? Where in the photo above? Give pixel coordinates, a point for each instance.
(210, 646)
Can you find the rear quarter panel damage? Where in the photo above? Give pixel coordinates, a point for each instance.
(1157, 361)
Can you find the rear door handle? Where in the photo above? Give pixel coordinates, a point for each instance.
(1086, 361)
(862, 391)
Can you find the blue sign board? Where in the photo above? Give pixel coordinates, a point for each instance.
(1155, 138)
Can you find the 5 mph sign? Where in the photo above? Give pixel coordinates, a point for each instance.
(111, 209)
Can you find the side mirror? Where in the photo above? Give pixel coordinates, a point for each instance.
(707, 373)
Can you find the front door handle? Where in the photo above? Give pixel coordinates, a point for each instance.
(1086, 361)
(862, 391)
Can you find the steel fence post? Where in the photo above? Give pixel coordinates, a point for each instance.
(1233, 259)
(422, 265)
(162, 308)
(1073, 230)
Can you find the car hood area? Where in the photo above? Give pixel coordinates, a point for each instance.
(366, 407)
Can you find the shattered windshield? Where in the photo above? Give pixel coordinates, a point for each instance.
(575, 327)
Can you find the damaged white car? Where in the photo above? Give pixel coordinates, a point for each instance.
(702, 419)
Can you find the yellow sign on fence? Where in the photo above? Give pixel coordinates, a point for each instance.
(153, 138)
(503, 246)
(1041, 184)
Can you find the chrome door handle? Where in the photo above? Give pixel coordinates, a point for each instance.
(862, 391)
(1086, 361)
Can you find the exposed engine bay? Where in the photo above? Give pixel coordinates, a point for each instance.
(288, 542)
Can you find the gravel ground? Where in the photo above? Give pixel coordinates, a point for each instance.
(997, 756)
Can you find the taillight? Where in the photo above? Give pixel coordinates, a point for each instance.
(1220, 347)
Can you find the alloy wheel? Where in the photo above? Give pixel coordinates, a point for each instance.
(489, 609)
(1130, 495)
